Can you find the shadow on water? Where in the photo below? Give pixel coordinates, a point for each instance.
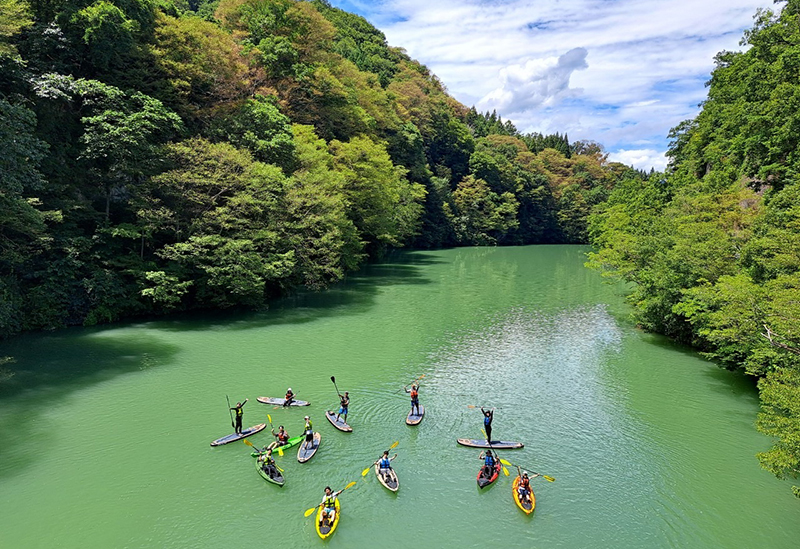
(48, 368)
(353, 296)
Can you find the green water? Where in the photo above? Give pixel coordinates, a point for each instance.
(105, 432)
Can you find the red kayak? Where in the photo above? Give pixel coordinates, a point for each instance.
(484, 481)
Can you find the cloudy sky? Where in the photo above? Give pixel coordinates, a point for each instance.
(619, 72)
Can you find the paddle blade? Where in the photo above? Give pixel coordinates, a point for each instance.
(394, 445)
(279, 469)
(505, 471)
(333, 378)
(280, 452)
(548, 479)
(504, 462)
(248, 443)
(309, 511)
(269, 418)
(470, 405)
(365, 471)
(349, 485)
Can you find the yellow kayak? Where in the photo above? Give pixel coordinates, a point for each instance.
(526, 506)
(327, 530)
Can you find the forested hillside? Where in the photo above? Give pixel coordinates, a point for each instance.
(714, 245)
(159, 156)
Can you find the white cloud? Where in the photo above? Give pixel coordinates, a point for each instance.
(646, 60)
(644, 159)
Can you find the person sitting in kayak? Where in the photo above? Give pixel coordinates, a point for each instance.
(488, 416)
(489, 463)
(345, 402)
(282, 437)
(385, 465)
(414, 397)
(239, 414)
(289, 397)
(524, 487)
(328, 506)
(267, 463)
(309, 431)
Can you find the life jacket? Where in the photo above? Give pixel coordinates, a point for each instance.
(239, 411)
(289, 395)
(330, 501)
(283, 437)
(487, 420)
(385, 463)
(345, 402)
(488, 460)
(308, 426)
(414, 394)
(525, 483)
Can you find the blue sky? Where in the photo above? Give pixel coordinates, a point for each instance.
(619, 72)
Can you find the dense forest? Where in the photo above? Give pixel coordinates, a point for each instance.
(158, 156)
(713, 246)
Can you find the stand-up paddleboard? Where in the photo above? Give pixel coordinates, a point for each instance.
(307, 450)
(526, 506)
(493, 445)
(338, 423)
(270, 474)
(279, 401)
(233, 437)
(414, 419)
(327, 529)
(392, 483)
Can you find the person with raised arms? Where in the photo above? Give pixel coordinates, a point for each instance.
(239, 413)
(488, 416)
(282, 437)
(414, 397)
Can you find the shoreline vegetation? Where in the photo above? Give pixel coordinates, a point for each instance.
(163, 155)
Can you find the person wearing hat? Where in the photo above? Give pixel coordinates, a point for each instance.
(267, 463)
(282, 437)
(328, 506)
(239, 414)
(309, 432)
(488, 463)
(345, 402)
(414, 397)
(524, 487)
(289, 397)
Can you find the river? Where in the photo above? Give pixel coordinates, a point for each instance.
(105, 431)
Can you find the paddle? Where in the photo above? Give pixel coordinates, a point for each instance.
(473, 406)
(365, 471)
(254, 447)
(309, 511)
(546, 477)
(230, 412)
(413, 382)
(505, 471)
(333, 378)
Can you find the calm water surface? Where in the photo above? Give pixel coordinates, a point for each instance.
(105, 432)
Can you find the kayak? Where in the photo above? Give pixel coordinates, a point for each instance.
(483, 481)
(233, 437)
(280, 401)
(327, 530)
(495, 444)
(291, 443)
(527, 506)
(338, 423)
(306, 451)
(274, 476)
(393, 483)
(414, 419)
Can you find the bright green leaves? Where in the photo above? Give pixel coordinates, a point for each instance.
(780, 418)
(479, 215)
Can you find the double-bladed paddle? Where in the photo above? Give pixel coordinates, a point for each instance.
(392, 447)
(254, 447)
(546, 477)
(309, 511)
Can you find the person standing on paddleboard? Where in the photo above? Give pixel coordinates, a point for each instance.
(309, 432)
(289, 397)
(344, 404)
(488, 416)
(239, 414)
(414, 397)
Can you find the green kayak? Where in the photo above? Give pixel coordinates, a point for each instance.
(291, 443)
(271, 474)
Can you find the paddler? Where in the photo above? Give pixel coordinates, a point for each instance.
(328, 506)
(489, 463)
(488, 416)
(239, 413)
(385, 465)
(414, 397)
(267, 462)
(282, 437)
(524, 487)
(289, 397)
(344, 403)
(309, 431)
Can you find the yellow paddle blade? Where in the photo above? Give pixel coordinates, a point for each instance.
(504, 462)
(471, 406)
(505, 471)
(349, 485)
(248, 443)
(365, 471)
(309, 511)
(394, 445)
(279, 469)
(280, 452)
(269, 418)
(548, 479)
